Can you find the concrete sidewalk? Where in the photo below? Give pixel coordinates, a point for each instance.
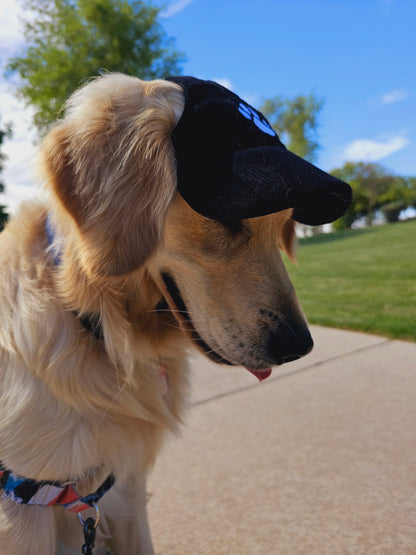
(318, 459)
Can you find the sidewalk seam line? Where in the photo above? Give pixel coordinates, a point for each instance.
(293, 372)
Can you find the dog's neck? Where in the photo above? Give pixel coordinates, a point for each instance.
(91, 321)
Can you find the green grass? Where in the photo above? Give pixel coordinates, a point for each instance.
(361, 280)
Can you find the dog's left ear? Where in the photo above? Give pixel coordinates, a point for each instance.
(111, 167)
(287, 239)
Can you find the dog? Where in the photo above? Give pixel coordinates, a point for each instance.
(145, 248)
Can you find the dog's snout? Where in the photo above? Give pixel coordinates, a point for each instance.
(289, 342)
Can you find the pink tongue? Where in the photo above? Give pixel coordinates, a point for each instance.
(261, 374)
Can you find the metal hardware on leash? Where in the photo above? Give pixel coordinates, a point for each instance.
(89, 525)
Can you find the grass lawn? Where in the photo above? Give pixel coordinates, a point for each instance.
(360, 280)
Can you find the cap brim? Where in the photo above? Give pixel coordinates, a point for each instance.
(268, 179)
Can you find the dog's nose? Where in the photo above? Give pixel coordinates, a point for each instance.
(292, 340)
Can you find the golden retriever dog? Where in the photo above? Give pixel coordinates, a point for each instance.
(105, 287)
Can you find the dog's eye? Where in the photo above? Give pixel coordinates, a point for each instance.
(235, 226)
(239, 230)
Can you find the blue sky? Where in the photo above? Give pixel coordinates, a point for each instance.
(359, 56)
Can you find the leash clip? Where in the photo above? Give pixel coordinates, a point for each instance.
(89, 526)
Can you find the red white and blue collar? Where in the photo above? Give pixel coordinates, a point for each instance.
(46, 493)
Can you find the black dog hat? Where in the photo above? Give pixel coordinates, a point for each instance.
(231, 164)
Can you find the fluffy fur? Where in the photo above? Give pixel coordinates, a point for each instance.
(75, 408)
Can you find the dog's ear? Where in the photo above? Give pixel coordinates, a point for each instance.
(288, 240)
(110, 165)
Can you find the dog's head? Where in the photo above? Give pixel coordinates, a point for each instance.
(184, 178)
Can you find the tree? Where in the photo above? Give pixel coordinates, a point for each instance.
(295, 121)
(358, 207)
(4, 133)
(411, 182)
(398, 197)
(374, 188)
(69, 41)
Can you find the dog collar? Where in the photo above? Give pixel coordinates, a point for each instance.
(46, 493)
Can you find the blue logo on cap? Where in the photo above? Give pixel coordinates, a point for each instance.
(259, 121)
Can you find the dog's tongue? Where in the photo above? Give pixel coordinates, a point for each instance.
(261, 374)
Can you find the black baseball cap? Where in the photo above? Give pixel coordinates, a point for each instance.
(231, 164)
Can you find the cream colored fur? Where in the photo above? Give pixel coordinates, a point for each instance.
(72, 407)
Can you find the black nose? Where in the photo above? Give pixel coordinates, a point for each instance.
(292, 340)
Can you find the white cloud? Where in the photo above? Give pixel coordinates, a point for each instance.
(11, 30)
(372, 151)
(19, 174)
(394, 96)
(253, 99)
(175, 7)
(225, 82)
